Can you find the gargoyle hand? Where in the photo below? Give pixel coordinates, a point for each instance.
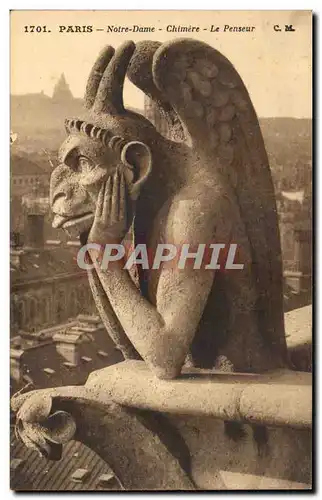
(111, 221)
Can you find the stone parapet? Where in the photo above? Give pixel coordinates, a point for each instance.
(282, 398)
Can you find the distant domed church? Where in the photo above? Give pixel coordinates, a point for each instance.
(62, 92)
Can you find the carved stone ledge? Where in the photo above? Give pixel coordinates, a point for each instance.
(127, 440)
(170, 435)
(282, 398)
(298, 327)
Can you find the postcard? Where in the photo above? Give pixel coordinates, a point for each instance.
(161, 250)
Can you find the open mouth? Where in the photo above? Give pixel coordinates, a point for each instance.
(74, 225)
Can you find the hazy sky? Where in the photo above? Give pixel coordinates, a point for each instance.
(275, 66)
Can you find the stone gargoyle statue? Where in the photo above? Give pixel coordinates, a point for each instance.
(210, 184)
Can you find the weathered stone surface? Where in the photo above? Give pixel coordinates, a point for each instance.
(282, 398)
(227, 113)
(207, 68)
(225, 132)
(298, 327)
(280, 461)
(221, 97)
(212, 116)
(128, 440)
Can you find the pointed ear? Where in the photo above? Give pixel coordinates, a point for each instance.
(137, 157)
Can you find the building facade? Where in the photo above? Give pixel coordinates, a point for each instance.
(63, 355)
(47, 286)
(25, 174)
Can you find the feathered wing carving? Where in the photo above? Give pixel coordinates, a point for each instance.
(202, 88)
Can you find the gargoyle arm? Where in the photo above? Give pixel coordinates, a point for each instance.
(162, 334)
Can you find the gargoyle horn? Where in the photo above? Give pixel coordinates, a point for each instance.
(96, 74)
(104, 90)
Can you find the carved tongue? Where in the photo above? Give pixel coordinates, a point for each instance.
(61, 221)
(58, 221)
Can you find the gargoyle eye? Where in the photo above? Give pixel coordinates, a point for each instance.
(84, 164)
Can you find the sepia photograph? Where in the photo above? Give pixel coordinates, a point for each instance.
(161, 250)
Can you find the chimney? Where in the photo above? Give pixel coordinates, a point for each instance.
(15, 258)
(68, 345)
(16, 363)
(34, 230)
(303, 254)
(35, 209)
(15, 239)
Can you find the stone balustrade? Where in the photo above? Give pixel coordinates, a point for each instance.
(172, 435)
(282, 398)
